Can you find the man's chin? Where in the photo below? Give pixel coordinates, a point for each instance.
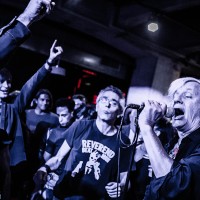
(3, 96)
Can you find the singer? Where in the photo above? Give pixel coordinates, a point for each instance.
(176, 168)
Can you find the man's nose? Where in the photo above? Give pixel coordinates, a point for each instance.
(178, 98)
(107, 103)
(46, 102)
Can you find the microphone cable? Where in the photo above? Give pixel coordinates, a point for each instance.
(122, 144)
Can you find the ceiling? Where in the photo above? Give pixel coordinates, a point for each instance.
(116, 30)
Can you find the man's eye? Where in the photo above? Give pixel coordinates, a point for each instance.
(114, 103)
(188, 95)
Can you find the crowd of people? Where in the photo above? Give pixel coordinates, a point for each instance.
(80, 152)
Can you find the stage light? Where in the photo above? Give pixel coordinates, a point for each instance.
(153, 23)
(153, 26)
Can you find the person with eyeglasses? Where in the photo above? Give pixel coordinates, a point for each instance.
(92, 170)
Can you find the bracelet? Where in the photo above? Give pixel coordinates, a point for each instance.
(47, 168)
(50, 64)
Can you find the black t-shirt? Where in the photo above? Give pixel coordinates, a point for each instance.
(92, 162)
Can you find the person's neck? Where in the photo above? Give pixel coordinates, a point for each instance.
(106, 128)
(183, 134)
(39, 111)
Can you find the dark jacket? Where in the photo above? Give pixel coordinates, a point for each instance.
(13, 124)
(11, 36)
(183, 180)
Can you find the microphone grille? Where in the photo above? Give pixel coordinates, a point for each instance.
(169, 112)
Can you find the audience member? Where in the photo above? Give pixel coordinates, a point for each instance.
(5, 174)
(92, 147)
(82, 110)
(38, 121)
(176, 169)
(11, 113)
(42, 112)
(50, 146)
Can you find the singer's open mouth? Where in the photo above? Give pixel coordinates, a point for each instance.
(178, 112)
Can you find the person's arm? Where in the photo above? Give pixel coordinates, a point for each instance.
(50, 145)
(46, 156)
(54, 162)
(183, 180)
(160, 161)
(32, 84)
(16, 32)
(35, 10)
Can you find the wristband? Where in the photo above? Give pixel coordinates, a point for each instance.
(47, 168)
(50, 64)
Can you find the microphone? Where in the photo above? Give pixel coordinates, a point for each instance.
(169, 112)
(133, 106)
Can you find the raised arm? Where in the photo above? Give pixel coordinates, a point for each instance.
(52, 164)
(35, 10)
(32, 84)
(16, 32)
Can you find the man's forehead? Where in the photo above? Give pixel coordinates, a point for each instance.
(189, 86)
(4, 78)
(111, 94)
(44, 96)
(62, 110)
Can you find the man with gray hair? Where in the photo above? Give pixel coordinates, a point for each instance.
(176, 167)
(92, 148)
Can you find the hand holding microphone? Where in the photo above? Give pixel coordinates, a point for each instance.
(153, 111)
(168, 112)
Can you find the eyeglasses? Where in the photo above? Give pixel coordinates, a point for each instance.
(112, 102)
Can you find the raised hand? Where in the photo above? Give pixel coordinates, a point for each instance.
(35, 10)
(55, 53)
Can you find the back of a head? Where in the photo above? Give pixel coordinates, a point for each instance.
(80, 97)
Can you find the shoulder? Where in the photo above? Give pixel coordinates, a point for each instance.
(82, 124)
(30, 111)
(53, 115)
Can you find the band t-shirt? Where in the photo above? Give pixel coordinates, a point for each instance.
(92, 162)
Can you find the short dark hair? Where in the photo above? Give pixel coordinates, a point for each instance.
(5, 74)
(64, 102)
(80, 97)
(47, 92)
